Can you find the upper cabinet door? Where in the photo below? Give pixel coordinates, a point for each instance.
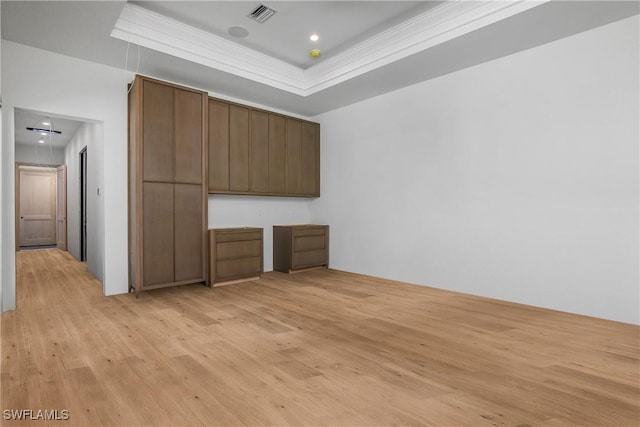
(158, 132)
(303, 158)
(253, 151)
(310, 158)
(188, 136)
(259, 165)
(294, 156)
(277, 151)
(218, 145)
(238, 148)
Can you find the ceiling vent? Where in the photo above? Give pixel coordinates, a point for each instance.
(262, 13)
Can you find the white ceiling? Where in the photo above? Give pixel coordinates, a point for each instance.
(29, 119)
(369, 48)
(285, 36)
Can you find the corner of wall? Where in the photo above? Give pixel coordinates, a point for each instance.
(1, 210)
(7, 219)
(1, 160)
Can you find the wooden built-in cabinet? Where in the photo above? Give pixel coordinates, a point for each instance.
(235, 254)
(257, 152)
(278, 155)
(167, 185)
(218, 146)
(303, 158)
(298, 247)
(238, 148)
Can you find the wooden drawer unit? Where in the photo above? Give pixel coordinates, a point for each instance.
(235, 254)
(297, 247)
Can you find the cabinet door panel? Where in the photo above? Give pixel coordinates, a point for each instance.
(282, 248)
(309, 230)
(309, 159)
(157, 226)
(238, 148)
(308, 243)
(158, 132)
(188, 139)
(239, 267)
(241, 249)
(294, 156)
(189, 234)
(259, 151)
(218, 145)
(235, 236)
(309, 258)
(277, 174)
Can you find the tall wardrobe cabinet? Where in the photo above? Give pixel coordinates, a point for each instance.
(168, 184)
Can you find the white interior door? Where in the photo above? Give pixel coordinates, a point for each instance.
(37, 207)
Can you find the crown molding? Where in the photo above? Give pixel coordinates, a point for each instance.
(157, 32)
(452, 19)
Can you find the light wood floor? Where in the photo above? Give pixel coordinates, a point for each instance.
(317, 348)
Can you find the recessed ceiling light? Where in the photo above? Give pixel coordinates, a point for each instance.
(314, 53)
(46, 123)
(314, 37)
(41, 141)
(239, 32)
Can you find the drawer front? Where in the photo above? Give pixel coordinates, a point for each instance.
(238, 268)
(309, 231)
(241, 249)
(308, 243)
(237, 236)
(309, 258)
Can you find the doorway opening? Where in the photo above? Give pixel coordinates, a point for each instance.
(52, 141)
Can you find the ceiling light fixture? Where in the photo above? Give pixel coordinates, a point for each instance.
(314, 38)
(44, 131)
(41, 141)
(314, 53)
(46, 123)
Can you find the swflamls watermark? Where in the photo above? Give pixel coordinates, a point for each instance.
(36, 414)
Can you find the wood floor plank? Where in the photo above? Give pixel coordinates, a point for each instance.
(322, 347)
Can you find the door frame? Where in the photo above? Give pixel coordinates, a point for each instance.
(17, 194)
(84, 174)
(61, 207)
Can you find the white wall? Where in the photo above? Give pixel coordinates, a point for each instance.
(516, 179)
(1, 215)
(77, 89)
(256, 211)
(28, 154)
(1, 175)
(86, 136)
